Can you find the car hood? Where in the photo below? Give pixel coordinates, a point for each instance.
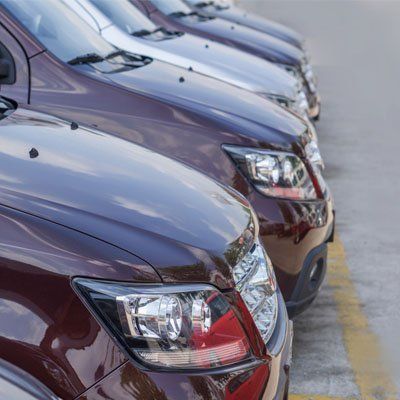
(187, 226)
(256, 42)
(210, 97)
(245, 18)
(210, 58)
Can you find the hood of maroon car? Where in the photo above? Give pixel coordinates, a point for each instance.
(268, 47)
(187, 226)
(236, 14)
(233, 34)
(234, 107)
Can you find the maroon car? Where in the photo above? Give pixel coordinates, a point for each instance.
(233, 136)
(126, 275)
(176, 15)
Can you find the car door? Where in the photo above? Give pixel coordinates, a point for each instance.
(14, 68)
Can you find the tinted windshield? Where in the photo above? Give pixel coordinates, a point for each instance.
(171, 6)
(58, 28)
(125, 15)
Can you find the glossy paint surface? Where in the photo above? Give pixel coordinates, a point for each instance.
(188, 51)
(156, 79)
(185, 134)
(104, 206)
(242, 17)
(16, 384)
(210, 97)
(120, 193)
(229, 33)
(44, 328)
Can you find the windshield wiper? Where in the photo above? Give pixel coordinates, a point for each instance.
(204, 4)
(86, 59)
(181, 14)
(142, 32)
(145, 32)
(115, 53)
(220, 7)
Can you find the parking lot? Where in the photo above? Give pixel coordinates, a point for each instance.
(347, 343)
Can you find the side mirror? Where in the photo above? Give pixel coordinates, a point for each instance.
(7, 67)
(4, 69)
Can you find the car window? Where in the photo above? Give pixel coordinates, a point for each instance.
(125, 15)
(58, 28)
(171, 6)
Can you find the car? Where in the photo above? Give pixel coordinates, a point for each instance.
(177, 15)
(113, 257)
(233, 13)
(123, 25)
(229, 134)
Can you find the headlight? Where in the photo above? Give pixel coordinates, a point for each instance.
(168, 326)
(255, 280)
(275, 174)
(313, 154)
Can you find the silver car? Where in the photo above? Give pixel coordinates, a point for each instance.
(123, 25)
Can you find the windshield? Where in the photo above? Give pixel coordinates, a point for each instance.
(125, 15)
(171, 6)
(58, 28)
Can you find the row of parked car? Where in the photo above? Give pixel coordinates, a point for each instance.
(163, 211)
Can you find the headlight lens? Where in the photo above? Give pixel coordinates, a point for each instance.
(255, 280)
(275, 174)
(314, 155)
(168, 326)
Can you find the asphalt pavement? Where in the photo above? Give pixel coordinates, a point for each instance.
(347, 345)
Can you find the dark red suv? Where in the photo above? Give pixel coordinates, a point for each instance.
(126, 275)
(234, 136)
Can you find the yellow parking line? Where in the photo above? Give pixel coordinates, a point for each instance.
(371, 376)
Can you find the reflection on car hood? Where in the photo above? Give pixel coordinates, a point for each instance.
(147, 204)
(205, 95)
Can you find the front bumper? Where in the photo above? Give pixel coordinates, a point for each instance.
(295, 235)
(309, 282)
(261, 379)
